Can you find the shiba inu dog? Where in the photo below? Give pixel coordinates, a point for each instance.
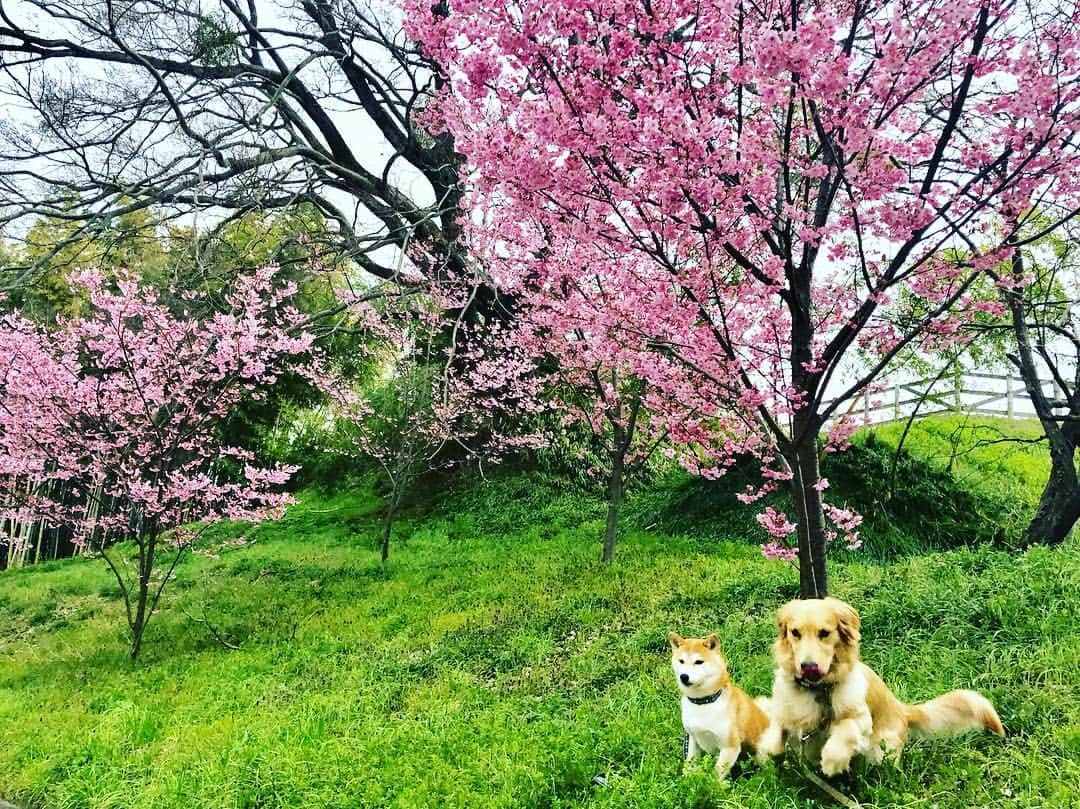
(717, 715)
(821, 686)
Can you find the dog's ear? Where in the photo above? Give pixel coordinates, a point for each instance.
(848, 622)
(712, 642)
(781, 647)
(675, 639)
(783, 617)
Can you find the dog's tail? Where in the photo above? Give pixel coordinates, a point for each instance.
(954, 712)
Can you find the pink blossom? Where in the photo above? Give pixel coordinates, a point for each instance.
(127, 399)
(631, 183)
(775, 523)
(777, 550)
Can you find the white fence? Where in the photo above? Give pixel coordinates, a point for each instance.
(977, 393)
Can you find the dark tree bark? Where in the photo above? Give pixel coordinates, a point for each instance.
(388, 522)
(147, 545)
(1038, 319)
(810, 520)
(615, 500)
(1059, 506)
(624, 423)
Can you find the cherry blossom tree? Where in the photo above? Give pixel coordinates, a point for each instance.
(442, 396)
(775, 178)
(123, 404)
(608, 393)
(613, 408)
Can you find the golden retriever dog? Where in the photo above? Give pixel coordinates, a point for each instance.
(821, 685)
(718, 716)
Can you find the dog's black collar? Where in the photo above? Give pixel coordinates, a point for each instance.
(709, 699)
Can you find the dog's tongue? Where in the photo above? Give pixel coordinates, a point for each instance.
(811, 673)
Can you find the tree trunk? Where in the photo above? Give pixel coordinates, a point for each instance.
(142, 617)
(37, 537)
(1059, 506)
(388, 523)
(139, 625)
(805, 424)
(615, 498)
(810, 520)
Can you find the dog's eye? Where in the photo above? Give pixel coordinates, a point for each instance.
(681, 660)
(698, 662)
(823, 633)
(795, 634)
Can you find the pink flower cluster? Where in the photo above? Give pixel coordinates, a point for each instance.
(732, 202)
(124, 403)
(775, 523)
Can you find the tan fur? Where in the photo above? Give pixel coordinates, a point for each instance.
(732, 724)
(853, 706)
(954, 712)
(750, 719)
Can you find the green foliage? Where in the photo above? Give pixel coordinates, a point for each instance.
(207, 265)
(509, 503)
(572, 449)
(916, 506)
(323, 448)
(977, 477)
(59, 246)
(495, 662)
(292, 238)
(679, 503)
(213, 42)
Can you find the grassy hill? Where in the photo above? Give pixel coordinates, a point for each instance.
(496, 663)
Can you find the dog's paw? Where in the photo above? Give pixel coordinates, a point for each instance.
(834, 763)
(875, 755)
(723, 773)
(725, 760)
(771, 742)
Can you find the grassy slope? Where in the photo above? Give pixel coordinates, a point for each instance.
(958, 483)
(973, 450)
(950, 489)
(496, 663)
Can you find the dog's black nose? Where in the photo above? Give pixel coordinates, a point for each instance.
(685, 679)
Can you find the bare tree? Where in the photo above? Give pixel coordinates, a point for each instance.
(112, 106)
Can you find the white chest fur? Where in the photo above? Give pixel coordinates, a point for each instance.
(801, 711)
(798, 710)
(709, 724)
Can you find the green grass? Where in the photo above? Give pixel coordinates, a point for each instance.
(496, 663)
(980, 452)
(960, 480)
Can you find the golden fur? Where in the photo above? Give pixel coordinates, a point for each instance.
(820, 684)
(728, 726)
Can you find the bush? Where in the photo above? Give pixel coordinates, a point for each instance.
(951, 488)
(324, 449)
(921, 507)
